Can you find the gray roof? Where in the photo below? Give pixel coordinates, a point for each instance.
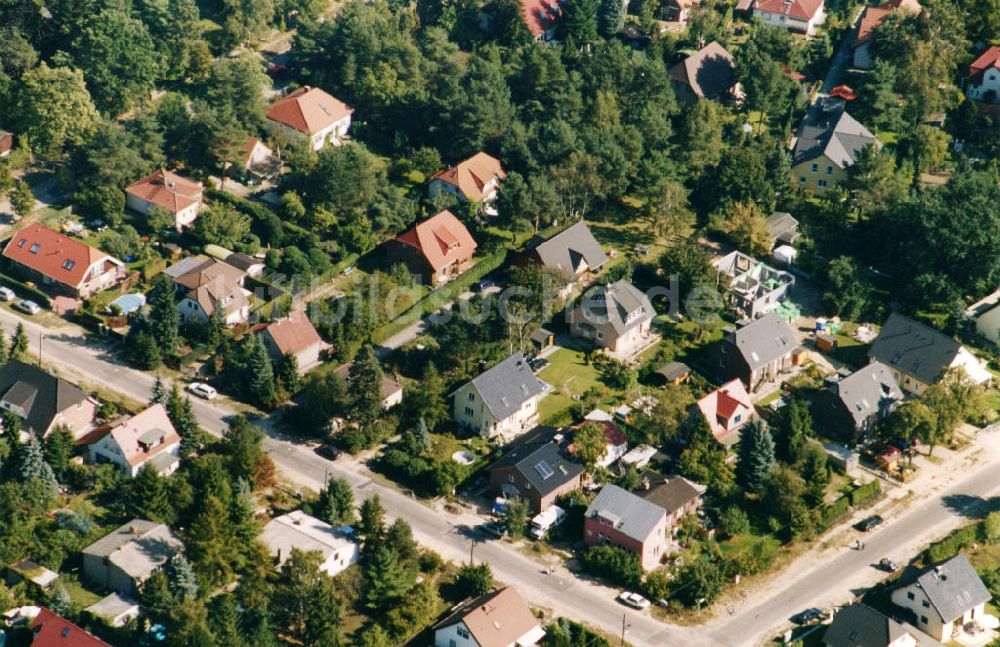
(40, 395)
(861, 626)
(782, 226)
(566, 250)
(113, 606)
(508, 385)
(613, 304)
(185, 265)
(672, 493)
(838, 136)
(633, 516)
(542, 464)
(914, 348)
(863, 390)
(242, 261)
(138, 548)
(953, 587)
(673, 370)
(764, 340)
(709, 72)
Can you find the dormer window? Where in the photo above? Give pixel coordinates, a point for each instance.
(68, 265)
(34, 248)
(21, 242)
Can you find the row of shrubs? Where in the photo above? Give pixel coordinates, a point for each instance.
(25, 291)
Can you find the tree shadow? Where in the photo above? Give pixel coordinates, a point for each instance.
(970, 507)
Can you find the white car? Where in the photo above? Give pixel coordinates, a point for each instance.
(28, 307)
(546, 521)
(633, 600)
(6, 294)
(203, 390)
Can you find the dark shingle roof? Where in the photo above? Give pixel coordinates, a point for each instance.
(508, 385)
(613, 304)
(541, 463)
(861, 626)
(564, 251)
(863, 390)
(672, 492)
(764, 340)
(40, 395)
(914, 348)
(673, 370)
(838, 136)
(953, 587)
(709, 72)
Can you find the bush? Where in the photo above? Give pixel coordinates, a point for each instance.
(613, 564)
(991, 527)
(733, 521)
(952, 544)
(567, 633)
(698, 583)
(430, 562)
(866, 493)
(836, 511)
(25, 291)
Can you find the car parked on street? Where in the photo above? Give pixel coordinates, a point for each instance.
(328, 451)
(28, 307)
(203, 390)
(888, 565)
(633, 600)
(869, 523)
(493, 529)
(808, 616)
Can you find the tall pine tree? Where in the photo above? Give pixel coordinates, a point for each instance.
(32, 465)
(754, 456)
(147, 497)
(19, 344)
(365, 386)
(164, 318)
(610, 17)
(260, 383)
(210, 542)
(181, 579)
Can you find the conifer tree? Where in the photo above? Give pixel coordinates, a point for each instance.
(372, 524)
(385, 579)
(3, 348)
(160, 393)
(816, 473)
(32, 465)
(610, 17)
(260, 373)
(181, 579)
(210, 542)
(241, 512)
(59, 449)
(336, 503)
(365, 386)
(164, 318)
(754, 457)
(19, 344)
(147, 496)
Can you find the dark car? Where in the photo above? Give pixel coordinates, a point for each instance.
(484, 284)
(869, 523)
(538, 364)
(888, 565)
(904, 445)
(493, 529)
(328, 452)
(807, 616)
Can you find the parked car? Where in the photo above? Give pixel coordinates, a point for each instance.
(28, 307)
(203, 390)
(538, 364)
(493, 529)
(888, 565)
(546, 521)
(328, 452)
(6, 294)
(633, 600)
(869, 523)
(807, 616)
(484, 284)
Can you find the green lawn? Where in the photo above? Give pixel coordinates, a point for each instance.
(569, 375)
(81, 597)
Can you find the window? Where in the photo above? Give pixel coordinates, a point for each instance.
(923, 620)
(21, 242)
(925, 604)
(472, 396)
(802, 179)
(910, 596)
(68, 265)
(822, 184)
(461, 631)
(452, 643)
(468, 411)
(737, 419)
(814, 167)
(34, 248)
(829, 170)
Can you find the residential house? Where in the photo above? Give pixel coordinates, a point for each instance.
(207, 284)
(49, 629)
(755, 289)
(630, 522)
(680, 10)
(541, 18)
(169, 191)
(298, 530)
(295, 335)
(675, 494)
(125, 558)
(147, 438)
(497, 619)
(573, 254)
(919, 356)
(859, 625)
(782, 228)
(871, 18)
(312, 115)
(757, 352)
(615, 317)
(634, 37)
(985, 315)
(391, 390)
(437, 249)
(6, 143)
(826, 145)
(257, 162)
(852, 408)
(727, 410)
(615, 440)
(983, 83)
(944, 598)
(43, 401)
(502, 402)
(473, 180)
(709, 73)
(537, 471)
(798, 16)
(63, 264)
(115, 609)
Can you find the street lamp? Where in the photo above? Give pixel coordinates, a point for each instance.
(625, 626)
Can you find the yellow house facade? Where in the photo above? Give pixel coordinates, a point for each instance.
(819, 174)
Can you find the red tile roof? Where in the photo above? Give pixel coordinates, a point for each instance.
(845, 92)
(168, 190)
(128, 434)
(989, 58)
(53, 254)
(798, 9)
(309, 110)
(442, 239)
(540, 15)
(294, 333)
(6, 142)
(496, 619)
(723, 403)
(471, 176)
(51, 630)
(875, 15)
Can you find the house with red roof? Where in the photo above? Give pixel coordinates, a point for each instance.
(872, 18)
(473, 180)
(147, 438)
(497, 619)
(616, 442)
(295, 335)
(799, 16)
(6, 142)
(726, 410)
(166, 190)
(541, 18)
(65, 265)
(51, 630)
(983, 83)
(313, 115)
(438, 249)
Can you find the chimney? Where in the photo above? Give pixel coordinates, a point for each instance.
(171, 185)
(645, 483)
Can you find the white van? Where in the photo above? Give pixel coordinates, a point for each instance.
(546, 521)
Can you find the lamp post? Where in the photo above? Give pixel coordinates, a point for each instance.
(625, 626)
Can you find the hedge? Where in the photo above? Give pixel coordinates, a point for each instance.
(25, 291)
(837, 511)
(866, 493)
(952, 544)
